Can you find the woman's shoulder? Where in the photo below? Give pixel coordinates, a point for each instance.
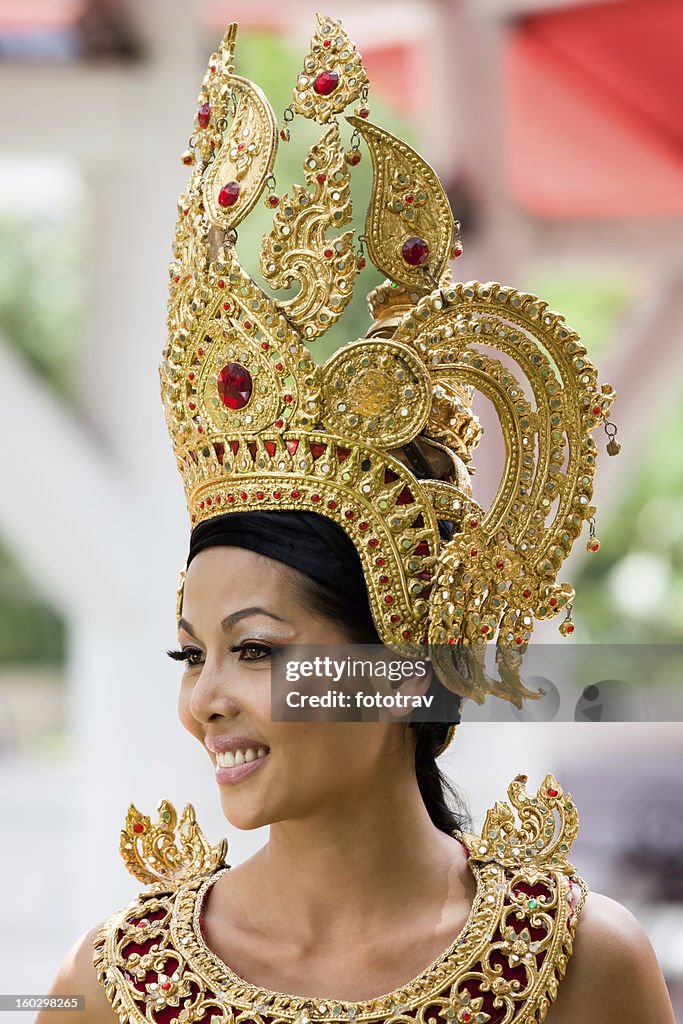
(613, 974)
(77, 975)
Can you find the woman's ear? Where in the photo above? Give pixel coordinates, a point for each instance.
(415, 684)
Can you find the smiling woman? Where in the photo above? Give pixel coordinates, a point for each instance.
(332, 505)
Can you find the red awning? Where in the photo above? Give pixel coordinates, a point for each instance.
(593, 101)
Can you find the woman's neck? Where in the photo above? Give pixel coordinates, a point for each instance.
(360, 864)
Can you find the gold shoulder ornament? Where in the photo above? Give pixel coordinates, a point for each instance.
(505, 965)
(380, 438)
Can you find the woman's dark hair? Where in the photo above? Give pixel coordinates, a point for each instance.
(445, 804)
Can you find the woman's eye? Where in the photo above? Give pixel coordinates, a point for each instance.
(186, 655)
(252, 651)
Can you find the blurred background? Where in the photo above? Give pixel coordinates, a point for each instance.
(556, 128)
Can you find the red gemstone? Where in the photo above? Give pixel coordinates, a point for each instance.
(270, 447)
(349, 513)
(473, 552)
(519, 640)
(361, 264)
(243, 495)
(234, 385)
(474, 524)
(379, 561)
(259, 495)
(363, 526)
(276, 494)
(273, 200)
(353, 158)
(317, 448)
(422, 548)
(415, 251)
(484, 629)
(295, 494)
(327, 43)
(552, 792)
(315, 497)
(596, 410)
(526, 593)
(407, 633)
(499, 564)
(343, 453)
(373, 542)
(384, 579)
(326, 82)
(364, 112)
(321, 179)
(328, 254)
(395, 619)
(552, 602)
(410, 199)
(389, 599)
(209, 501)
(204, 115)
(137, 827)
(292, 445)
(332, 504)
(166, 985)
(390, 476)
(570, 628)
(405, 497)
(229, 194)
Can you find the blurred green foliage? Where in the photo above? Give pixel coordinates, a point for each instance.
(41, 292)
(41, 309)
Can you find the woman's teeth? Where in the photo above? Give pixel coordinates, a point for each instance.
(230, 758)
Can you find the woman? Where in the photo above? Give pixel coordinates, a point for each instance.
(365, 879)
(350, 519)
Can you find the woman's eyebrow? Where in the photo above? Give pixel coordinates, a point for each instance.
(231, 620)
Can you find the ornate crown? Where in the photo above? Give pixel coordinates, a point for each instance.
(380, 437)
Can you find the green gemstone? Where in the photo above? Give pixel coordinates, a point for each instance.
(532, 904)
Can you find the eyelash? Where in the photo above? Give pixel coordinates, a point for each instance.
(187, 652)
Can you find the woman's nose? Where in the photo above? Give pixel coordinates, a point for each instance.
(212, 694)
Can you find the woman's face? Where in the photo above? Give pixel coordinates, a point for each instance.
(236, 604)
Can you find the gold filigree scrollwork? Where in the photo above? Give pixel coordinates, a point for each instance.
(409, 226)
(244, 157)
(164, 851)
(333, 75)
(297, 250)
(548, 825)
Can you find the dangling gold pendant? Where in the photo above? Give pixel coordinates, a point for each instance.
(613, 447)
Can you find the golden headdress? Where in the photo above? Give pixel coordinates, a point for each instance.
(380, 437)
